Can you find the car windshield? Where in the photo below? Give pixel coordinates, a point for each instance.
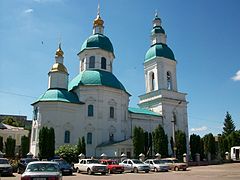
(42, 167)
(136, 161)
(92, 161)
(3, 161)
(112, 162)
(158, 162)
(176, 161)
(31, 160)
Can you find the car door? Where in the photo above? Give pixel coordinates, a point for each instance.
(82, 165)
(151, 165)
(124, 164)
(130, 165)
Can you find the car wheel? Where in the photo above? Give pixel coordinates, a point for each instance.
(78, 171)
(89, 171)
(18, 171)
(176, 168)
(146, 171)
(155, 170)
(135, 170)
(103, 173)
(184, 169)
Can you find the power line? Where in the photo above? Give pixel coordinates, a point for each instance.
(17, 94)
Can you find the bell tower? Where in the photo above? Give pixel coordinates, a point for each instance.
(162, 95)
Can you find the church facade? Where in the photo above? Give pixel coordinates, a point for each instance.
(95, 104)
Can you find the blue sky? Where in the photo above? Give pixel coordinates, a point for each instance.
(204, 36)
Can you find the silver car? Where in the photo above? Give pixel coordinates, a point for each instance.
(134, 165)
(42, 170)
(157, 165)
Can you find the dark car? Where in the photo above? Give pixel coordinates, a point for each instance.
(65, 167)
(5, 168)
(23, 164)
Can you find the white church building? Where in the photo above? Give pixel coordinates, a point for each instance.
(95, 104)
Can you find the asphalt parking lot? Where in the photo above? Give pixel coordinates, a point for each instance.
(218, 172)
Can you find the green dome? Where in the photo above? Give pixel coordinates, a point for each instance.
(159, 50)
(61, 95)
(97, 78)
(98, 41)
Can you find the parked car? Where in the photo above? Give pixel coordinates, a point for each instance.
(23, 164)
(90, 166)
(134, 165)
(157, 165)
(65, 167)
(5, 168)
(112, 166)
(42, 170)
(175, 164)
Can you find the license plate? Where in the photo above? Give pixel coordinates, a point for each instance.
(65, 170)
(39, 178)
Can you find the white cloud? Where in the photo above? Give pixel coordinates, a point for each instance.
(28, 11)
(237, 76)
(203, 128)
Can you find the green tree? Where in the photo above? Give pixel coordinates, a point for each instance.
(79, 146)
(12, 121)
(10, 145)
(195, 145)
(46, 143)
(228, 125)
(1, 143)
(160, 141)
(68, 152)
(209, 145)
(138, 141)
(83, 145)
(25, 142)
(180, 138)
(233, 139)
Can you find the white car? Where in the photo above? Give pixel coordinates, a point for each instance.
(90, 166)
(134, 165)
(42, 170)
(157, 165)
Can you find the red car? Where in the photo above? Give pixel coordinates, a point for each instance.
(112, 166)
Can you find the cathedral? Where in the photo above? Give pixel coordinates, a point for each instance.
(95, 104)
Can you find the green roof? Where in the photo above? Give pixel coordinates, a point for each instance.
(159, 50)
(97, 78)
(61, 95)
(98, 41)
(158, 29)
(142, 111)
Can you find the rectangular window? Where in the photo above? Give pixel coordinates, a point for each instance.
(111, 112)
(89, 138)
(67, 137)
(90, 110)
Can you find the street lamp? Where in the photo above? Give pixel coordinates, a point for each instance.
(174, 130)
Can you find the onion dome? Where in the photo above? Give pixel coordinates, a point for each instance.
(59, 52)
(159, 50)
(98, 41)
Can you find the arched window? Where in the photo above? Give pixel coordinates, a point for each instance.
(90, 110)
(152, 81)
(169, 81)
(103, 63)
(92, 62)
(111, 112)
(67, 137)
(89, 138)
